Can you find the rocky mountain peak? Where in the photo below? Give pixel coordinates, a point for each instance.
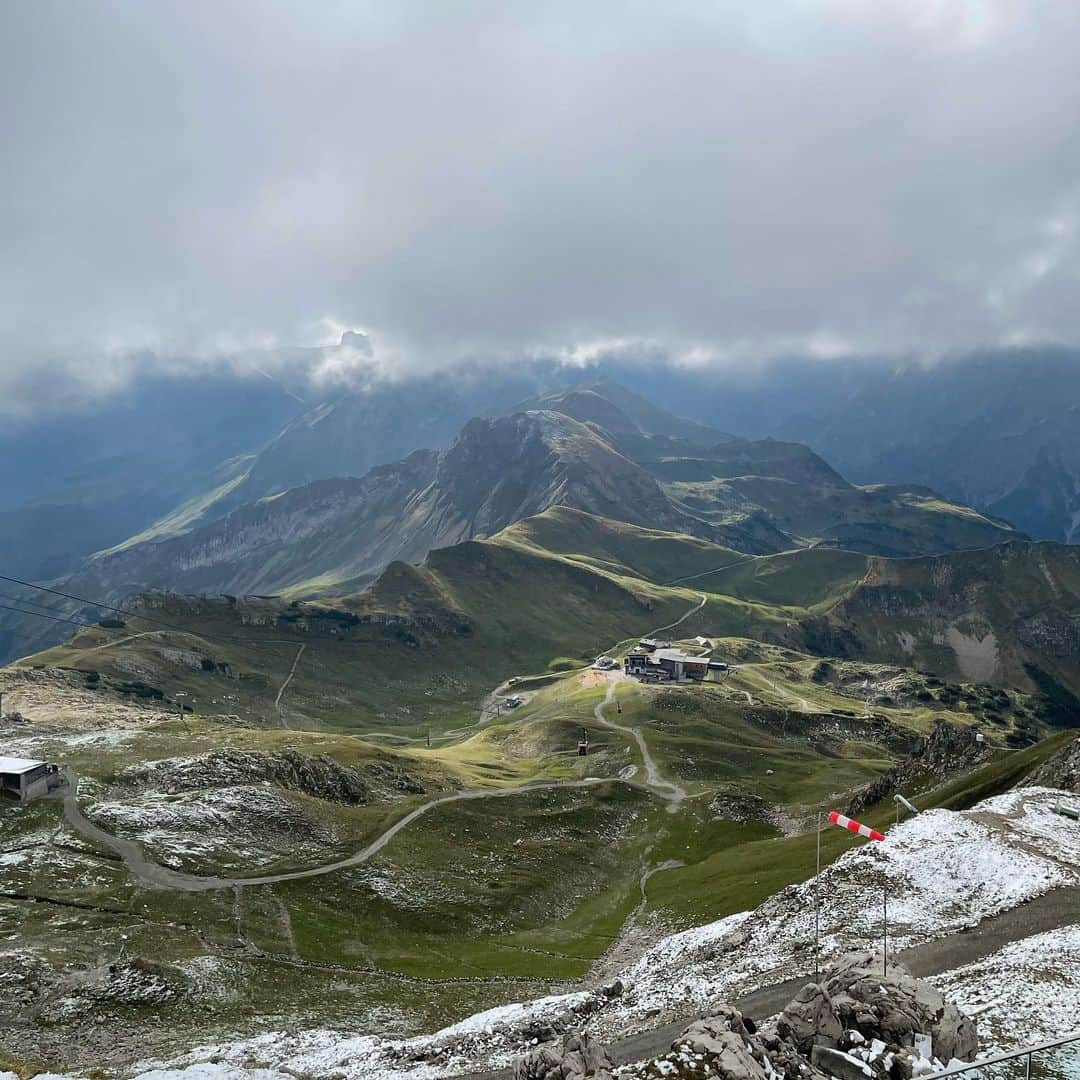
(358, 341)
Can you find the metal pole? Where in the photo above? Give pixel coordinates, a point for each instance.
(885, 926)
(817, 906)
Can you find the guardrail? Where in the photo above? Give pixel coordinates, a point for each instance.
(1058, 1059)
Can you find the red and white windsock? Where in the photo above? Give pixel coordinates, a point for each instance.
(855, 826)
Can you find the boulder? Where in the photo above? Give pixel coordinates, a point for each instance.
(840, 1065)
(579, 1056)
(895, 1007)
(784, 1059)
(727, 1047)
(810, 1019)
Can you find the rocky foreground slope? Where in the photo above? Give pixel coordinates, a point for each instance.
(860, 1021)
(984, 903)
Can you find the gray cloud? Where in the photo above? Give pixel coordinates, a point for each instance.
(718, 180)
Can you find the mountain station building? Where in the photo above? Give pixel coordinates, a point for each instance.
(672, 665)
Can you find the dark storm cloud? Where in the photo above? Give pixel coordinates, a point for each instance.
(717, 180)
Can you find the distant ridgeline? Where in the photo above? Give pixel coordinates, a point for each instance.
(599, 449)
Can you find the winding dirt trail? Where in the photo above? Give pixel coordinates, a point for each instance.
(666, 789)
(682, 618)
(714, 570)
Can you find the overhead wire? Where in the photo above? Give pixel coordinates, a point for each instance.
(41, 615)
(126, 612)
(92, 603)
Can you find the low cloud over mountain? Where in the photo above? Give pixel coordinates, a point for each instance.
(729, 180)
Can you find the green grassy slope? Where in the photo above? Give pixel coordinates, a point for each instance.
(421, 647)
(740, 877)
(424, 644)
(618, 548)
(808, 579)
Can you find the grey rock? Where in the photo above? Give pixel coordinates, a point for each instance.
(895, 1006)
(785, 1059)
(892, 1007)
(1060, 771)
(321, 776)
(580, 1056)
(810, 1019)
(947, 751)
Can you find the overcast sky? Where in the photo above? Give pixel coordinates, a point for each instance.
(724, 180)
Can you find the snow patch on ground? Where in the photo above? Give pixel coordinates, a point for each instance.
(208, 1071)
(201, 828)
(493, 1036)
(1026, 992)
(48, 745)
(944, 872)
(24, 870)
(1028, 815)
(493, 1020)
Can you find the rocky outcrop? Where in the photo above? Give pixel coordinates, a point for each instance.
(726, 1044)
(578, 1057)
(1060, 771)
(890, 1007)
(745, 806)
(858, 1024)
(321, 777)
(947, 751)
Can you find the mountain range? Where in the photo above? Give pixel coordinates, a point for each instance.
(993, 430)
(598, 448)
(997, 429)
